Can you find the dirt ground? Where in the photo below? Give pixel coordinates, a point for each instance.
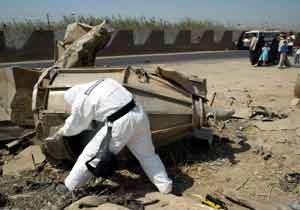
(248, 157)
(239, 85)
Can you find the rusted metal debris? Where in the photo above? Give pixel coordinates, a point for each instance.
(173, 110)
(176, 103)
(16, 85)
(11, 145)
(81, 44)
(10, 133)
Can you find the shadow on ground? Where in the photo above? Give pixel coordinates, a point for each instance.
(176, 156)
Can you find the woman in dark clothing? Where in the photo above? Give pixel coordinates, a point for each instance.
(274, 55)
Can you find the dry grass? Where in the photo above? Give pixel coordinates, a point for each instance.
(117, 22)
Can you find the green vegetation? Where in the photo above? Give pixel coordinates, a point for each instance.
(117, 22)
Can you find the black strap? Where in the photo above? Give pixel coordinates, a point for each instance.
(108, 164)
(121, 112)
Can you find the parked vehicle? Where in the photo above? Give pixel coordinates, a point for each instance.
(268, 37)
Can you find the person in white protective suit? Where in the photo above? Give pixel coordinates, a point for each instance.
(96, 101)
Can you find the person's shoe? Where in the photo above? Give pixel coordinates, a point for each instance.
(61, 188)
(219, 114)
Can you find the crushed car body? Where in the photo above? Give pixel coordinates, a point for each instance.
(173, 110)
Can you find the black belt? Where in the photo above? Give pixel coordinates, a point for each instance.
(121, 112)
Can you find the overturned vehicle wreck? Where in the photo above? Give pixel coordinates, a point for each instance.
(175, 103)
(172, 110)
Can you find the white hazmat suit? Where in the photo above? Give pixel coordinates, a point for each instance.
(96, 101)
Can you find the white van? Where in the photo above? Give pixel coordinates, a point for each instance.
(268, 36)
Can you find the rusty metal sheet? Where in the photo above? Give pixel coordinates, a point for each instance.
(83, 50)
(72, 79)
(74, 31)
(7, 93)
(10, 132)
(16, 85)
(172, 111)
(191, 84)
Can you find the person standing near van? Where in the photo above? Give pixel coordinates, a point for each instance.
(274, 54)
(255, 49)
(297, 56)
(264, 57)
(283, 50)
(252, 48)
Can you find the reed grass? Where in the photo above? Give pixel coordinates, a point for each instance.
(118, 22)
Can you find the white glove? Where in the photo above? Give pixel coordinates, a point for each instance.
(57, 136)
(60, 132)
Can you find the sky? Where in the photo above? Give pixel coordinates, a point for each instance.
(224, 11)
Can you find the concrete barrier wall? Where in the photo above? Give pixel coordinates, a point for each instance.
(40, 44)
(158, 41)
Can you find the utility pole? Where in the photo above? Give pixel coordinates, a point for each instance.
(48, 20)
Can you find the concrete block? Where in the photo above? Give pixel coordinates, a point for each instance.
(218, 35)
(141, 36)
(236, 35)
(155, 39)
(170, 36)
(226, 42)
(196, 36)
(16, 39)
(183, 39)
(59, 35)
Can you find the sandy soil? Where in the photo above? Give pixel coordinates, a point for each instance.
(244, 160)
(251, 175)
